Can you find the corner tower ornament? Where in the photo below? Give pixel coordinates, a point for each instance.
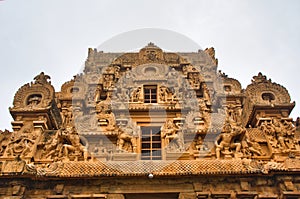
(169, 115)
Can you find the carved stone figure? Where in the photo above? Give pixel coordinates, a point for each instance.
(98, 93)
(250, 147)
(225, 142)
(194, 80)
(173, 136)
(107, 81)
(73, 145)
(165, 95)
(206, 95)
(21, 143)
(127, 135)
(281, 134)
(136, 95)
(4, 140)
(105, 116)
(52, 146)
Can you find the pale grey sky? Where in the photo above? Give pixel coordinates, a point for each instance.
(53, 36)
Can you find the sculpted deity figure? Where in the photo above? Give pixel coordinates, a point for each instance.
(127, 134)
(226, 140)
(136, 95)
(251, 147)
(20, 144)
(284, 133)
(165, 94)
(71, 136)
(173, 136)
(52, 146)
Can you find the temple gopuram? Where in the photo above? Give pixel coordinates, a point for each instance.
(153, 125)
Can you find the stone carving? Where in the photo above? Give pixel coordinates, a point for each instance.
(15, 166)
(39, 94)
(67, 116)
(185, 87)
(105, 116)
(173, 80)
(206, 95)
(250, 147)
(231, 86)
(52, 146)
(87, 123)
(173, 135)
(234, 112)
(197, 122)
(100, 149)
(34, 100)
(72, 146)
(194, 80)
(281, 134)
(198, 144)
(261, 87)
(42, 78)
(127, 136)
(226, 142)
(165, 94)
(108, 81)
(4, 140)
(137, 95)
(260, 78)
(97, 94)
(21, 143)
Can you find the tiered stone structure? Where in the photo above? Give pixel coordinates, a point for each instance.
(151, 124)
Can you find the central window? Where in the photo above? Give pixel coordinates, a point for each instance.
(150, 94)
(151, 143)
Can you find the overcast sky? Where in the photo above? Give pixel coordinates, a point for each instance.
(53, 36)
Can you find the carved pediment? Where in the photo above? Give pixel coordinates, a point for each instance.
(266, 92)
(34, 95)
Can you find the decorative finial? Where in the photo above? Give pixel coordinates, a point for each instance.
(260, 78)
(42, 78)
